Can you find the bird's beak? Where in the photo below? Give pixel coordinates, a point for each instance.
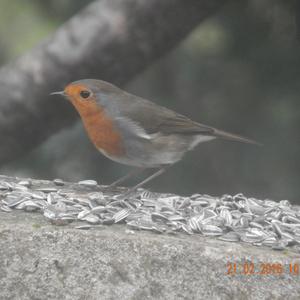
(62, 93)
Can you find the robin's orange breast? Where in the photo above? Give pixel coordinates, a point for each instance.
(99, 127)
(103, 134)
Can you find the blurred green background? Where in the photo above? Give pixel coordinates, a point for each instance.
(238, 71)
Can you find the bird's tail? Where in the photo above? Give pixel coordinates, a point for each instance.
(234, 137)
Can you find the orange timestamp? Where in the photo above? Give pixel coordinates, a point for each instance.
(249, 268)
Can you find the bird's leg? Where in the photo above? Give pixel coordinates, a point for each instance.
(154, 175)
(127, 176)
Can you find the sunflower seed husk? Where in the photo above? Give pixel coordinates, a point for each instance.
(159, 217)
(5, 208)
(84, 227)
(88, 182)
(91, 218)
(12, 201)
(47, 189)
(211, 230)
(58, 182)
(229, 218)
(121, 215)
(26, 183)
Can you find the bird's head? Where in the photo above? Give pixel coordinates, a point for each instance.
(89, 95)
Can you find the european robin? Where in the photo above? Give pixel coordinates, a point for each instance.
(134, 131)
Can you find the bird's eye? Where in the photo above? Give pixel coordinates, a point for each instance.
(85, 94)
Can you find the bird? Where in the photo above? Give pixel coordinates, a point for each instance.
(137, 132)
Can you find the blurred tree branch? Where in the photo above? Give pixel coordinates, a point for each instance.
(297, 9)
(111, 40)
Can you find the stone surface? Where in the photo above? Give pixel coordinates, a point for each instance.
(42, 261)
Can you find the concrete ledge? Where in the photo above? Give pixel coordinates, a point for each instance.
(42, 261)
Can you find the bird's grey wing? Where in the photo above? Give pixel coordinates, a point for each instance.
(158, 119)
(153, 118)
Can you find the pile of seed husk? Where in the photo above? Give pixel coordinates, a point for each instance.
(228, 218)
